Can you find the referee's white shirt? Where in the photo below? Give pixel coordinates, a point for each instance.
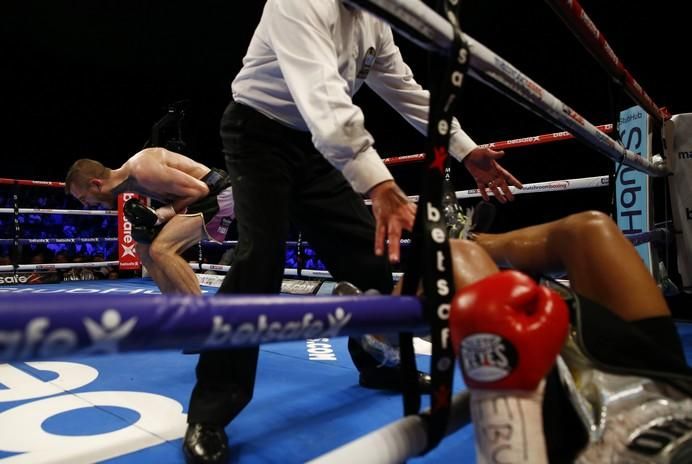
(305, 62)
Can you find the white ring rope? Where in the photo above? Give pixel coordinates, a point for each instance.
(48, 267)
(403, 241)
(78, 212)
(289, 243)
(61, 240)
(315, 273)
(538, 187)
(549, 186)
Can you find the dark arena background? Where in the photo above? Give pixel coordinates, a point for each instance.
(90, 79)
(104, 79)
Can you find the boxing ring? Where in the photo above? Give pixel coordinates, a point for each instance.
(94, 371)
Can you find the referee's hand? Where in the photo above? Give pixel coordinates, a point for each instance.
(393, 212)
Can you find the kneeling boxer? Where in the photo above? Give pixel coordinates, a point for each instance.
(197, 204)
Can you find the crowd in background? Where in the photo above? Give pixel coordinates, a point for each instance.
(47, 226)
(59, 226)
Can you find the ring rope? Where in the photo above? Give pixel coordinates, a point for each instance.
(538, 187)
(576, 19)
(35, 183)
(51, 266)
(403, 241)
(60, 240)
(501, 145)
(235, 242)
(79, 324)
(636, 239)
(78, 212)
(315, 273)
(492, 70)
(539, 139)
(414, 18)
(548, 186)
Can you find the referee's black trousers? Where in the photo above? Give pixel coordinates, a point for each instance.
(278, 178)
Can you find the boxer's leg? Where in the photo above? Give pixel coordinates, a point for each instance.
(600, 262)
(179, 234)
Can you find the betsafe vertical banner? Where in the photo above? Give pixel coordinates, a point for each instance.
(632, 187)
(127, 253)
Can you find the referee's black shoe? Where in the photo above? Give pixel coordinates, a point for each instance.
(205, 444)
(389, 378)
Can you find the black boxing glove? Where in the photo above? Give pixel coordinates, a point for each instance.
(140, 214)
(144, 234)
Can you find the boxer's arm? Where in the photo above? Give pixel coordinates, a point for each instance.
(169, 174)
(184, 187)
(507, 332)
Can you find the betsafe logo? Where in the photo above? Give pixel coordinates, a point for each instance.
(13, 279)
(40, 337)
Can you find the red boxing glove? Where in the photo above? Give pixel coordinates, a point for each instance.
(507, 331)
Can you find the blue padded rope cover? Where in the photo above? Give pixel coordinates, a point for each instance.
(40, 326)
